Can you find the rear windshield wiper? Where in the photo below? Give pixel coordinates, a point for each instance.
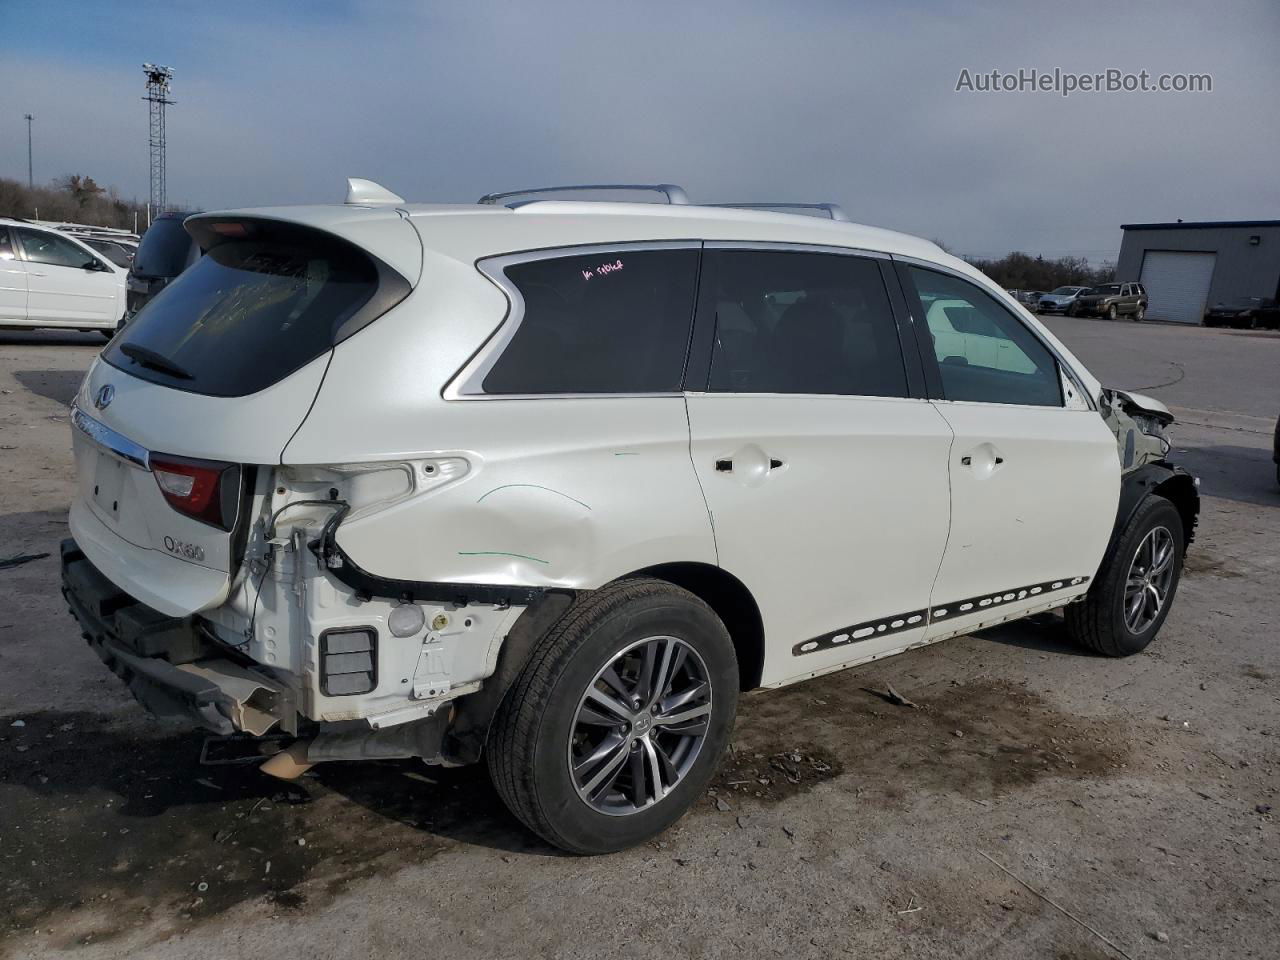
(156, 361)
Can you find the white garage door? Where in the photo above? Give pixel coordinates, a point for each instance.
(1177, 284)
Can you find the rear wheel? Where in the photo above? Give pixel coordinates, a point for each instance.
(1139, 314)
(1130, 599)
(617, 722)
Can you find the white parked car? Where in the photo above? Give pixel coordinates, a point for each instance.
(51, 279)
(552, 482)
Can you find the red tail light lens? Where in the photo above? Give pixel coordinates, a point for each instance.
(205, 490)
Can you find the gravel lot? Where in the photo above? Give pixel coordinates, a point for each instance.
(1139, 796)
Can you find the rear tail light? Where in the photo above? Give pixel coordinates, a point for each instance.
(205, 490)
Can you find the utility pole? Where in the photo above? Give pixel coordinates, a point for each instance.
(158, 78)
(31, 180)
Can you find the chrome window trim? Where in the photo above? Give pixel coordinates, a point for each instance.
(109, 441)
(1053, 351)
(468, 383)
(788, 247)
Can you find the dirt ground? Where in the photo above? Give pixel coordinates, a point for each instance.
(1137, 797)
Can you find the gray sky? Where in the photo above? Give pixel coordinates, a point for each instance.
(279, 101)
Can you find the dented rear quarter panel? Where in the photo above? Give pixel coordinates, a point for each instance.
(567, 492)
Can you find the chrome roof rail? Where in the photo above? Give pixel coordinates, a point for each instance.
(673, 193)
(833, 210)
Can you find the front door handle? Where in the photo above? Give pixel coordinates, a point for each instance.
(983, 459)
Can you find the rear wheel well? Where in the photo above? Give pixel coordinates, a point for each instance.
(733, 604)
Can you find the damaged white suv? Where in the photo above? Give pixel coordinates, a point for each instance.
(553, 481)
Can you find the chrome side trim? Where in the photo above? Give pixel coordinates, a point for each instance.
(468, 383)
(787, 246)
(109, 441)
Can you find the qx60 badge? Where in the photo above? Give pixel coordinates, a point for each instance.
(102, 399)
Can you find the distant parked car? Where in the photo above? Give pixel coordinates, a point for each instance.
(51, 279)
(118, 253)
(1062, 300)
(1028, 298)
(166, 250)
(1246, 313)
(1112, 300)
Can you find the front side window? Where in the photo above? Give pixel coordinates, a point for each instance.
(41, 247)
(6, 246)
(613, 322)
(984, 352)
(799, 322)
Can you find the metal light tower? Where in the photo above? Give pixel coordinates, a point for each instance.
(158, 96)
(31, 180)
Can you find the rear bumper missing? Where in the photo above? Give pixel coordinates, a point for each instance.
(167, 664)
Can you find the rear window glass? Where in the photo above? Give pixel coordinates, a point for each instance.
(614, 322)
(246, 315)
(164, 249)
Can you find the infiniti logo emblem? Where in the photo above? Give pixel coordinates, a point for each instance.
(102, 399)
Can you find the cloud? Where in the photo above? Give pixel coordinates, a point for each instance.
(808, 100)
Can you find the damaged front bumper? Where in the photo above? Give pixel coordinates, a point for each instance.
(169, 666)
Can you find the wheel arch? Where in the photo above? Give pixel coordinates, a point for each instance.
(1158, 479)
(731, 601)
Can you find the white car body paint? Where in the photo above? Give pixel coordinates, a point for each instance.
(34, 294)
(867, 522)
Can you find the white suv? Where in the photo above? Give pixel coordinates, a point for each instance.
(554, 481)
(51, 279)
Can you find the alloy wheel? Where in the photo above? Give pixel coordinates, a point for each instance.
(1146, 589)
(640, 726)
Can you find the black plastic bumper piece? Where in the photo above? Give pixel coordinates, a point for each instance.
(130, 637)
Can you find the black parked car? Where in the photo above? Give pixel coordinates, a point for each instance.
(166, 250)
(1246, 313)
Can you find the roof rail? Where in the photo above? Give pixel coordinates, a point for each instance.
(673, 193)
(833, 210)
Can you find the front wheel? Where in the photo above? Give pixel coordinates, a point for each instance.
(1073, 311)
(616, 724)
(1111, 312)
(1130, 599)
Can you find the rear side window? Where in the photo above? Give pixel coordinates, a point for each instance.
(253, 311)
(794, 322)
(616, 322)
(984, 352)
(165, 249)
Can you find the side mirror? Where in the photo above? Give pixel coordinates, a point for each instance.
(93, 266)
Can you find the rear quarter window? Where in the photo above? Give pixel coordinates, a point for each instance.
(254, 310)
(612, 322)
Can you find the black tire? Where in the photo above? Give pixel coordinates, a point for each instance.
(1140, 314)
(1073, 311)
(1098, 621)
(1111, 312)
(528, 747)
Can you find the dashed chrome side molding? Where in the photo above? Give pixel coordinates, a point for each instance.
(919, 618)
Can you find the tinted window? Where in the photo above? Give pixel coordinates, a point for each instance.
(41, 247)
(6, 246)
(802, 323)
(613, 322)
(164, 249)
(246, 315)
(984, 352)
(112, 251)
